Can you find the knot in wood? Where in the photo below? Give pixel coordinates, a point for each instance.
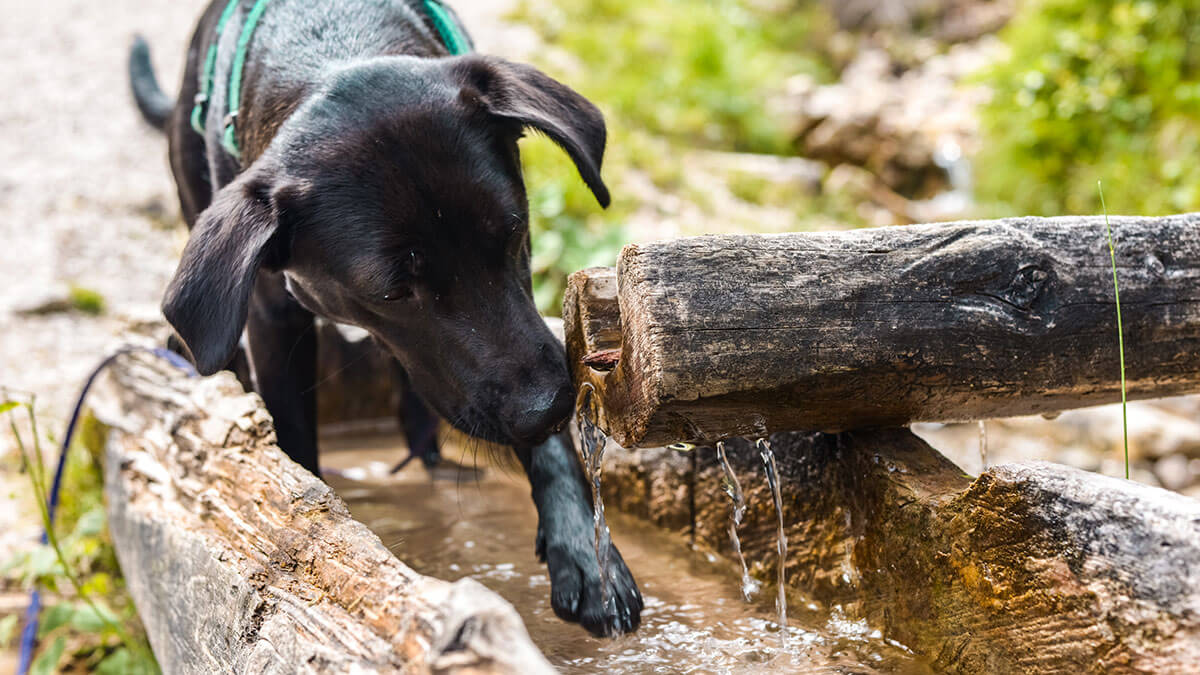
(1026, 287)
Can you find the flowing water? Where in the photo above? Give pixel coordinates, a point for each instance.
(983, 445)
(592, 441)
(482, 525)
(733, 488)
(768, 459)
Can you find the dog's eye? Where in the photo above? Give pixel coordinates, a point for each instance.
(414, 264)
(397, 294)
(409, 267)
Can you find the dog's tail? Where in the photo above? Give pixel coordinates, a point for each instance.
(154, 105)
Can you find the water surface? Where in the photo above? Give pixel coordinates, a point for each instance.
(695, 620)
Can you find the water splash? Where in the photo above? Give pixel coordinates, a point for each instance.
(592, 441)
(768, 460)
(983, 444)
(733, 488)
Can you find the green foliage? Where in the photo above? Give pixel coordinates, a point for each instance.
(697, 72)
(1095, 89)
(568, 230)
(86, 300)
(8, 630)
(670, 75)
(88, 620)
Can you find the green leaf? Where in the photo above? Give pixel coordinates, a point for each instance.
(100, 584)
(120, 662)
(91, 523)
(93, 620)
(127, 662)
(8, 629)
(8, 405)
(47, 662)
(42, 562)
(55, 617)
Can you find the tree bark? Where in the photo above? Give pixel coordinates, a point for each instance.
(240, 561)
(1029, 568)
(733, 335)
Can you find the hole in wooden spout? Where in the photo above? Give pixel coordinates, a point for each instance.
(603, 360)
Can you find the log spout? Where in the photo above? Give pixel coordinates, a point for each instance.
(738, 335)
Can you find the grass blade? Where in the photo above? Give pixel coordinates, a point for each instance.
(1112, 253)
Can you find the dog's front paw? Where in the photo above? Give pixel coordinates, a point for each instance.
(576, 593)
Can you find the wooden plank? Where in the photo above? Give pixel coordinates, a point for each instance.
(1030, 568)
(240, 561)
(738, 335)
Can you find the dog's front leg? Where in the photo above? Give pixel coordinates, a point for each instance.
(283, 358)
(566, 543)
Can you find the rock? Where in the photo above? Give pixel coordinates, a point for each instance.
(948, 20)
(904, 127)
(1174, 472)
(1090, 439)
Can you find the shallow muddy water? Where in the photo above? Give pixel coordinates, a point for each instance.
(695, 620)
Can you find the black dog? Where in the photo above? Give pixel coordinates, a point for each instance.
(379, 185)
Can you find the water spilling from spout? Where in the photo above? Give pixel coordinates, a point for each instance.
(983, 444)
(768, 460)
(592, 441)
(733, 488)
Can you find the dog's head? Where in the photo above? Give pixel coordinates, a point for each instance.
(392, 199)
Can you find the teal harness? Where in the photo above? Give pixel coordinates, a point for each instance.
(453, 37)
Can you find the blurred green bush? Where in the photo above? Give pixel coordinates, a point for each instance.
(669, 75)
(1095, 89)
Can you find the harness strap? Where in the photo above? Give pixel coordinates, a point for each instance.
(210, 66)
(453, 37)
(444, 20)
(229, 139)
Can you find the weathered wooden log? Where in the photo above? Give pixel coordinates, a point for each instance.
(1031, 568)
(240, 561)
(739, 335)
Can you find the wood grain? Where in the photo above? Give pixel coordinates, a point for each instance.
(240, 561)
(1031, 568)
(739, 335)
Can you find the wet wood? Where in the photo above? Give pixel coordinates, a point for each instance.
(1030, 568)
(240, 561)
(736, 335)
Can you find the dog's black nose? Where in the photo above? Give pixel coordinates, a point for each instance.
(542, 415)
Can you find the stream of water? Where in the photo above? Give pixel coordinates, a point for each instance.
(983, 460)
(592, 441)
(483, 524)
(733, 488)
(768, 459)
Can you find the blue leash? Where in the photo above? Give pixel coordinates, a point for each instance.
(29, 633)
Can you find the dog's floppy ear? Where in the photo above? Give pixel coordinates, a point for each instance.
(524, 94)
(207, 300)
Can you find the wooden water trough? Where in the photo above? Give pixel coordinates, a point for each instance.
(1030, 567)
(240, 561)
